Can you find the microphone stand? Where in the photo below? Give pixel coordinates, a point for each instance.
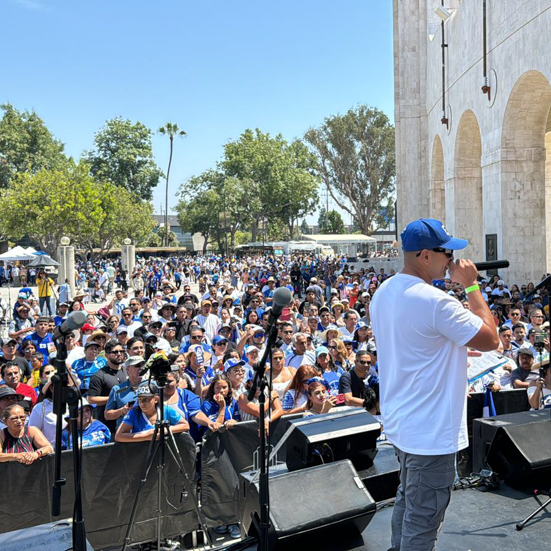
(67, 395)
(259, 382)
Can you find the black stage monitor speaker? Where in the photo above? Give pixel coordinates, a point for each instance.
(312, 505)
(521, 454)
(330, 437)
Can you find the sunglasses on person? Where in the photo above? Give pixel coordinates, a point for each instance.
(447, 252)
(258, 335)
(116, 352)
(333, 347)
(364, 362)
(196, 337)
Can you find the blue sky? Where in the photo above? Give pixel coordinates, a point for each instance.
(215, 67)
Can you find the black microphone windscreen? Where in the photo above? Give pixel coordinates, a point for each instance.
(282, 297)
(75, 320)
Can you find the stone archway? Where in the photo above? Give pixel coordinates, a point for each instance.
(468, 211)
(525, 183)
(437, 197)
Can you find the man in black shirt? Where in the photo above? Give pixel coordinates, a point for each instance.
(114, 373)
(352, 383)
(9, 346)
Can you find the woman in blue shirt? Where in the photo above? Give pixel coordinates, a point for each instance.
(219, 405)
(91, 431)
(138, 424)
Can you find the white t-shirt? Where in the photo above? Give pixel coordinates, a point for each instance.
(421, 334)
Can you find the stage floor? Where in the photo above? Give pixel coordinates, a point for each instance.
(475, 521)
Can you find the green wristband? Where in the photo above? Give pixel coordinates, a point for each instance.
(472, 288)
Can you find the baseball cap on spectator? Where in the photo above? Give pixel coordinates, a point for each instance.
(321, 350)
(151, 337)
(145, 390)
(427, 233)
(501, 282)
(232, 362)
(134, 360)
(156, 324)
(122, 329)
(346, 338)
(206, 301)
(8, 391)
(251, 348)
(22, 295)
(334, 292)
(257, 328)
(366, 294)
(361, 324)
(91, 343)
(218, 339)
(7, 340)
(62, 304)
(526, 350)
(87, 327)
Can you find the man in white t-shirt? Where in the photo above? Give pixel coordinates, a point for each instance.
(422, 336)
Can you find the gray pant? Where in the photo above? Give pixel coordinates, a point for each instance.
(423, 495)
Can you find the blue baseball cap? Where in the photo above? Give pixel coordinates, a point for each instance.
(321, 350)
(232, 362)
(427, 233)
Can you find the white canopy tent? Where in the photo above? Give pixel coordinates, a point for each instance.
(17, 253)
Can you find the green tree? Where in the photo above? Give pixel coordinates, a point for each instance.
(26, 145)
(123, 155)
(356, 161)
(335, 222)
(305, 228)
(277, 178)
(121, 215)
(68, 201)
(169, 129)
(200, 214)
(323, 223)
(158, 238)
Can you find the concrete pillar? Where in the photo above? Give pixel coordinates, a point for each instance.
(128, 258)
(410, 45)
(66, 269)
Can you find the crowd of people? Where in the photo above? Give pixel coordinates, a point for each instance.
(208, 315)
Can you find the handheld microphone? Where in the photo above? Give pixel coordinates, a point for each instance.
(74, 321)
(491, 265)
(282, 298)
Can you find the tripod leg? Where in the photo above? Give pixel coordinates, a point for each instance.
(175, 452)
(151, 453)
(522, 524)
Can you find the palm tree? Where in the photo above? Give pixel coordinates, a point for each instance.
(169, 129)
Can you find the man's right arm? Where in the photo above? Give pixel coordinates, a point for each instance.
(465, 272)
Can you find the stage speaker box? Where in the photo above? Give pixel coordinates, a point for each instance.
(484, 431)
(521, 454)
(330, 437)
(312, 505)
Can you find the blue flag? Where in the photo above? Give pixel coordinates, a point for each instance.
(488, 410)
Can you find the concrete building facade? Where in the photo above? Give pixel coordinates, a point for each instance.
(486, 170)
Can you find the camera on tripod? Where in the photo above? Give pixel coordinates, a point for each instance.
(159, 366)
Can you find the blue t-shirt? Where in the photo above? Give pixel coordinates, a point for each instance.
(119, 396)
(44, 345)
(211, 409)
(332, 379)
(138, 422)
(96, 434)
(188, 406)
(85, 370)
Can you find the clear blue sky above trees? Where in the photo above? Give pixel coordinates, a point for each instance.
(214, 67)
